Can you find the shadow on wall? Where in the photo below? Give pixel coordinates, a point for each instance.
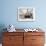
(2, 26)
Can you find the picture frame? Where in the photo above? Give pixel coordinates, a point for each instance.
(26, 14)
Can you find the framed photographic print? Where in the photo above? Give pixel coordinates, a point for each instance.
(26, 14)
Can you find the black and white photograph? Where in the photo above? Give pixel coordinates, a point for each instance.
(26, 14)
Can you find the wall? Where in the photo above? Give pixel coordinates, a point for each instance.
(9, 13)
